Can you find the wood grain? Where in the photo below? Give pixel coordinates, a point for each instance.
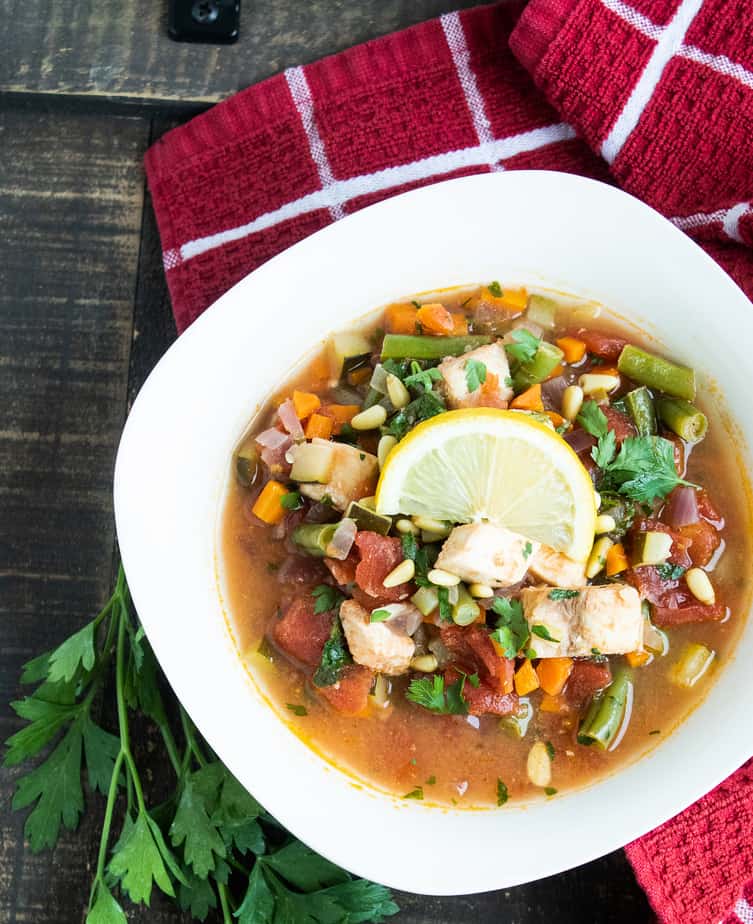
(121, 49)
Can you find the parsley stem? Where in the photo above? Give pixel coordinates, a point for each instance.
(172, 749)
(227, 916)
(188, 731)
(125, 743)
(106, 824)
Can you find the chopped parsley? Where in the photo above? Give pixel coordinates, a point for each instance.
(502, 793)
(594, 421)
(273, 567)
(431, 781)
(423, 377)
(668, 572)
(296, 709)
(560, 593)
(421, 408)
(430, 693)
(655, 731)
(524, 346)
(327, 598)
(422, 556)
(347, 434)
(550, 749)
(527, 549)
(380, 616)
(495, 288)
(530, 653)
(511, 632)
(335, 656)
(596, 652)
(445, 607)
(417, 793)
(475, 374)
(550, 790)
(415, 303)
(544, 633)
(291, 501)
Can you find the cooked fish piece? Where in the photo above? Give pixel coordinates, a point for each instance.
(495, 391)
(554, 568)
(381, 646)
(482, 553)
(604, 619)
(353, 476)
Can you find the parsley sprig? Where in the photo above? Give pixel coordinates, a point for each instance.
(475, 374)
(524, 345)
(208, 845)
(511, 632)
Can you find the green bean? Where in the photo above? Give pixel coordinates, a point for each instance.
(403, 346)
(640, 405)
(314, 538)
(607, 710)
(466, 610)
(547, 358)
(658, 373)
(682, 418)
(541, 310)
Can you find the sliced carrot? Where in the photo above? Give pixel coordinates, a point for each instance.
(459, 324)
(305, 403)
(319, 426)
(617, 560)
(573, 349)
(268, 506)
(359, 376)
(528, 400)
(435, 319)
(637, 658)
(526, 680)
(340, 413)
(556, 704)
(553, 674)
(557, 419)
(558, 370)
(400, 319)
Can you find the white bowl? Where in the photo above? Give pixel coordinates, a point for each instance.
(553, 229)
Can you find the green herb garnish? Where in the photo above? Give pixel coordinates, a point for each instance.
(445, 607)
(421, 408)
(550, 790)
(475, 374)
(560, 593)
(669, 572)
(432, 695)
(297, 709)
(423, 377)
(594, 421)
(502, 793)
(655, 731)
(495, 288)
(380, 615)
(335, 656)
(524, 346)
(527, 550)
(327, 598)
(474, 680)
(644, 469)
(291, 501)
(544, 633)
(511, 632)
(549, 749)
(431, 781)
(417, 793)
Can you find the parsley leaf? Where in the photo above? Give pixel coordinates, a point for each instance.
(511, 632)
(544, 633)
(495, 288)
(194, 827)
(380, 615)
(297, 709)
(105, 909)
(431, 780)
(668, 572)
(75, 652)
(527, 549)
(603, 452)
(421, 408)
(550, 749)
(502, 793)
(445, 607)
(475, 374)
(550, 790)
(423, 377)
(594, 421)
(644, 469)
(560, 593)
(417, 793)
(431, 694)
(335, 656)
(327, 598)
(524, 346)
(141, 857)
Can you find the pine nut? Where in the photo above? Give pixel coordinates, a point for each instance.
(539, 765)
(398, 393)
(604, 524)
(438, 527)
(404, 572)
(597, 499)
(443, 578)
(591, 383)
(598, 557)
(700, 585)
(480, 590)
(369, 419)
(406, 528)
(424, 663)
(572, 401)
(386, 445)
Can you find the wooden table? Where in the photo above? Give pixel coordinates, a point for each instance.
(85, 88)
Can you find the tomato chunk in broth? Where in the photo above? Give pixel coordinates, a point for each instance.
(465, 663)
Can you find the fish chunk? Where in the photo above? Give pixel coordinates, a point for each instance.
(354, 475)
(378, 645)
(495, 391)
(554, 568)
(605, 619)
(486, 554)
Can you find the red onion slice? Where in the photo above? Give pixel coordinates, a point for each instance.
(276, 456)
(343, 539)
(682, 507)
(579, 440)
(289, 419)
(272, 438)
(404, 618)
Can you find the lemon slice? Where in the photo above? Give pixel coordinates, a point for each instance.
(502, 466)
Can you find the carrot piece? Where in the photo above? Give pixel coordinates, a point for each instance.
(268, 506)
(512, 300)
(305, 403)
(558, 420)
(556, 704)
(459, 324)
(616, 559)
(608, 370)
(401, 319)
(359, 376)
(435, 319)
(573, 349)
(528, 400)
(526, 680)
(558, 370)
(553, 674)
(637, 658)
(319, 426)
(340, 413)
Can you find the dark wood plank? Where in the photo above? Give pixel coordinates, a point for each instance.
(71, 196)
(104, 47)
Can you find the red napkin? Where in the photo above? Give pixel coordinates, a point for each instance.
(656, 95)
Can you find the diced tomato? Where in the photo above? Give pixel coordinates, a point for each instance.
(484, 699)
(301, 633)
(678, 447)
(704, 539)
(379, 556)
(602, 345)
(665, 616)
(349, 695)
(680, 544)
(344, 572)
(474, 650)
(708, 511)
(586, 678)
(622, 426)
(650, 586)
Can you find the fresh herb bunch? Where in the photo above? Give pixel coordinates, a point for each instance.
(209, 844)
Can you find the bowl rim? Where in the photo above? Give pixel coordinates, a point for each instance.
(141, 540)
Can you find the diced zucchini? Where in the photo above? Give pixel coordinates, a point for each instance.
(694, 662)
(542, 311)
(465, 610)
(246, 465)
(343, 346)
(368, 519)
(313, 462)
(651, 548)
(426, 600)
(517, 723)
(314, 538)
